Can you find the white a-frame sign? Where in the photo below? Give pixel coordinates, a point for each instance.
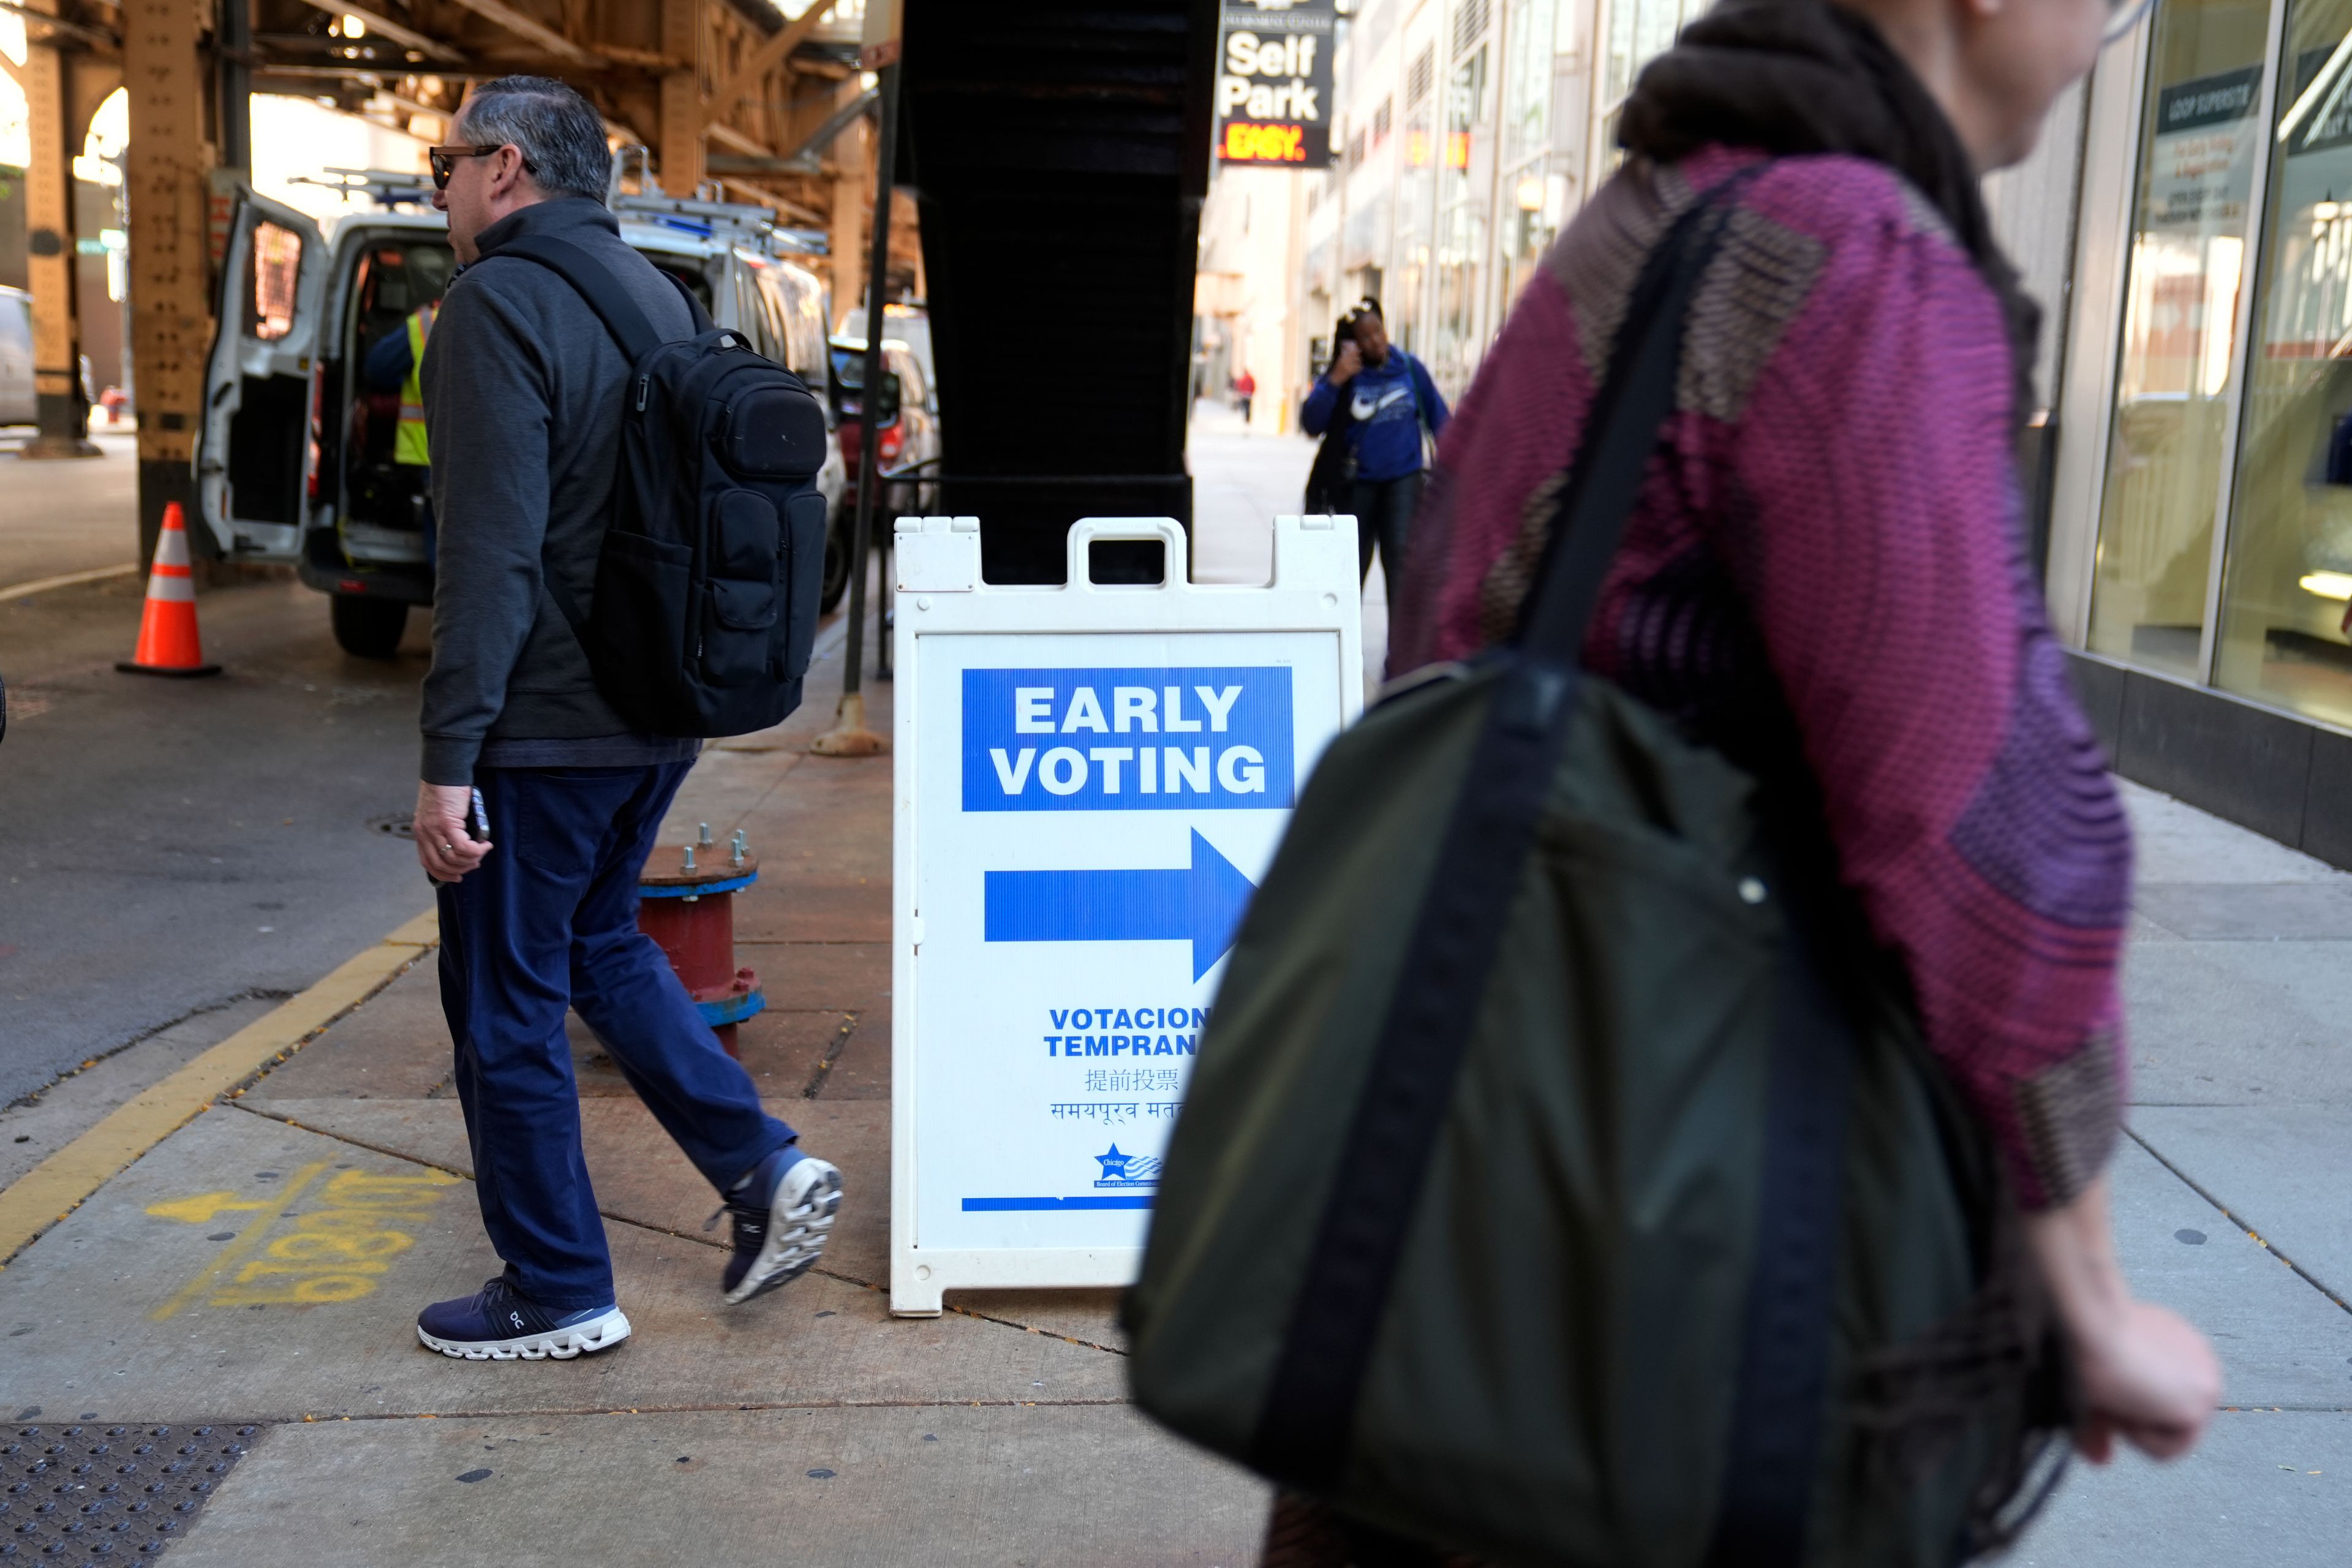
(1090, 781)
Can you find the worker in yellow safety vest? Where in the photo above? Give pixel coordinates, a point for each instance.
(399, 360)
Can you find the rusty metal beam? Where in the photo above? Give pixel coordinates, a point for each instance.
(166, 193)
(779, 45)
(45, 19)
(728, 136)
(398, 32)
(680, 149)
(643, 59)
(537, 31)
(57, 137)
(785, 205)
(852, 188)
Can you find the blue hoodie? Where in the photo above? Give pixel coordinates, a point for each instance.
(1388, 403)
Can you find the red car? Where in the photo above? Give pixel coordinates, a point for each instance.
(908, 436)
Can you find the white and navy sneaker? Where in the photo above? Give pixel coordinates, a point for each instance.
(502, 1323)
(783, 1212)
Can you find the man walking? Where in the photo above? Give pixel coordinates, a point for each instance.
(539, 804)
(1390, 400)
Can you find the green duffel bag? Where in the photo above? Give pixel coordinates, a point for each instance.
(1562, 1179)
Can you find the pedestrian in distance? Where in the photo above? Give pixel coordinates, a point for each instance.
(1245, 389)
(1393, 411)
(538, 804)
(1328, 485)
(1823, 578)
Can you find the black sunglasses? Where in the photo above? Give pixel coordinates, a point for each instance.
(443, 161)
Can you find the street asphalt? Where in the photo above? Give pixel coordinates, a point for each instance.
(76, 515)
(172, 847)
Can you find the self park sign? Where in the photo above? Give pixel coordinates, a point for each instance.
(1274, 83)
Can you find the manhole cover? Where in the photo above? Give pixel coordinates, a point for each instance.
(84, 1491)
(400, 824)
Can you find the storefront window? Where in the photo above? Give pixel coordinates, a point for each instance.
(1461, 226)
(1531, 211)
(1639, 32)
(1416, 219)
(2179, 354)
(2287, 580)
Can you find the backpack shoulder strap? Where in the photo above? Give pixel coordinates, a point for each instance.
(702, 321)
(594, 282)
(621, 316)
(1621, 430)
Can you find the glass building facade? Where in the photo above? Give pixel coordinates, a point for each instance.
(2222, 554)
(1469, 127)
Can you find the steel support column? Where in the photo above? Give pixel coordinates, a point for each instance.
(171, 295)
(50, 238)
(853, 163)
(682, 114)
(234, 34)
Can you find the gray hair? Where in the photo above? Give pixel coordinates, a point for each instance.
(561, 134)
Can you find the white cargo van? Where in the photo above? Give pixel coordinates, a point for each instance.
(295, 459)
(17, 404)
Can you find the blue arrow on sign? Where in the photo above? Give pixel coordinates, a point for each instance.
(1201, 904)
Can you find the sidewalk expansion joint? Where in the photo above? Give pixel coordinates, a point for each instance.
(1030, 1329)
(698, 1237)
(823, 1068)
(549, 1412)
(2234, 1218)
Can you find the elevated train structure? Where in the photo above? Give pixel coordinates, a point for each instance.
(1055, 150)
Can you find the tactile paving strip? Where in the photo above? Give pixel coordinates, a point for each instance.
(73, 1494)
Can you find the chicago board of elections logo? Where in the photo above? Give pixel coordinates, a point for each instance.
(1127, 1170)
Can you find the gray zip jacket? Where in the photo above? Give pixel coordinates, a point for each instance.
(522, 412)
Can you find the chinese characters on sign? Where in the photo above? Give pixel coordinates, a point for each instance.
(1274, 83)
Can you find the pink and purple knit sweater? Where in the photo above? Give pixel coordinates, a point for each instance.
(1831, 542)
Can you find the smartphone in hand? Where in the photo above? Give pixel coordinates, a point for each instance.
(478, 824)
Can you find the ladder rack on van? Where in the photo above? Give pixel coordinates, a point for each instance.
(740, 221)
(385, 187)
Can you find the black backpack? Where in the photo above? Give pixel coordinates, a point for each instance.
(706, 599)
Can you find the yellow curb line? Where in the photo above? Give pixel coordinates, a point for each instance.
(59, 1184)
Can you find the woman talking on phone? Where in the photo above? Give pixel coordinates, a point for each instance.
(1389, 400)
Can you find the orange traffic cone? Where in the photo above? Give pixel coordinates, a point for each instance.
(168, 643)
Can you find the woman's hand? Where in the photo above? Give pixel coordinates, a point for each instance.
(1346, 363)
(2147, 1375)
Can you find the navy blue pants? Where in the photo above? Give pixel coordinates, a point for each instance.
(549, 921)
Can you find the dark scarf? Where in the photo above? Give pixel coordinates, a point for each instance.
(1808, 76)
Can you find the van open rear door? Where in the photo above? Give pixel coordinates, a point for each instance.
(252, 459)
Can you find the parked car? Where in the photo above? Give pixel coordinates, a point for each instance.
(295, 459)
(907, 436)
(17, 404)
(907, 325)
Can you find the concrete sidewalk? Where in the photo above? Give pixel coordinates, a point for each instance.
(260, 1268)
